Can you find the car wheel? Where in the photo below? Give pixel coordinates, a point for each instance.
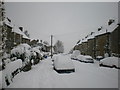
(114, 66)
(100, 64)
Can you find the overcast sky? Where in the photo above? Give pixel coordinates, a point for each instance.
(67, 22)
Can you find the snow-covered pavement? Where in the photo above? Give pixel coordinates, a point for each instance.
(86, 75)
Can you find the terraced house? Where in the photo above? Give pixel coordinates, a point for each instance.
(2, 31)
(104, 40)
(14, 35)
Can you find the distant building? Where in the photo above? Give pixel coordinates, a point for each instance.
(34, 43)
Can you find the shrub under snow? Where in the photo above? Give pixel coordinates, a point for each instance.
(22, 51)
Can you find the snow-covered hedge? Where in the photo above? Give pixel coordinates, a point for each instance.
(12, 69)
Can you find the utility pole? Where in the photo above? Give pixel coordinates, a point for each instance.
(51, 45)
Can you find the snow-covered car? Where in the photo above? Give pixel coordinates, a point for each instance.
(99, 58)
(87, 59)
(80, 58)
(75, 54)
(63, 64)
(110, 62)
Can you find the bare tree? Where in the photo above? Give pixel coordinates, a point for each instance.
(58, 47)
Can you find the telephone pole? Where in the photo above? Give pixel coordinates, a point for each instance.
(51, 45)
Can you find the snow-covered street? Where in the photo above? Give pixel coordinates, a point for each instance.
(86, 75)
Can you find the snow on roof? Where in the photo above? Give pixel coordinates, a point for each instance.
(91, 36)
(17, 30)
(103, 30)
(85, 40)
(106, 29)
(24, 36)
(7, 22)
(110, 29)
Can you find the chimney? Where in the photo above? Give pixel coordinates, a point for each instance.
(21, 28)
(110, 21)
(99, 28)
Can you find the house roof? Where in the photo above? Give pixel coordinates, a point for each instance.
(17, 30)
(8, 22)
(105, 29)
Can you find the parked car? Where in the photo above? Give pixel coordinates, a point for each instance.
(75, 54)
(99, 58)
(111, 62)
(63, 64)
(87, 59)
(80, 58)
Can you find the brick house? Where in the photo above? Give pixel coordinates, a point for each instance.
(84, 50)
(76, 47)
(14, 36)
(102, 44)
(8, 38)
(105, 40)
(91, 47)
(115, 41)
(26, 40)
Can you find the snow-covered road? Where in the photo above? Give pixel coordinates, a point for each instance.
(87, 75)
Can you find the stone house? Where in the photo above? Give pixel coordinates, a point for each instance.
(115, 41)
(14, 36)
(91, 47)
(102, 44)
(84, 50)
(105, 40)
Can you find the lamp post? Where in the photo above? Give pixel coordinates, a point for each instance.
(51, 45)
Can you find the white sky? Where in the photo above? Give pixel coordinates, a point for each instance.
(66, 21)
